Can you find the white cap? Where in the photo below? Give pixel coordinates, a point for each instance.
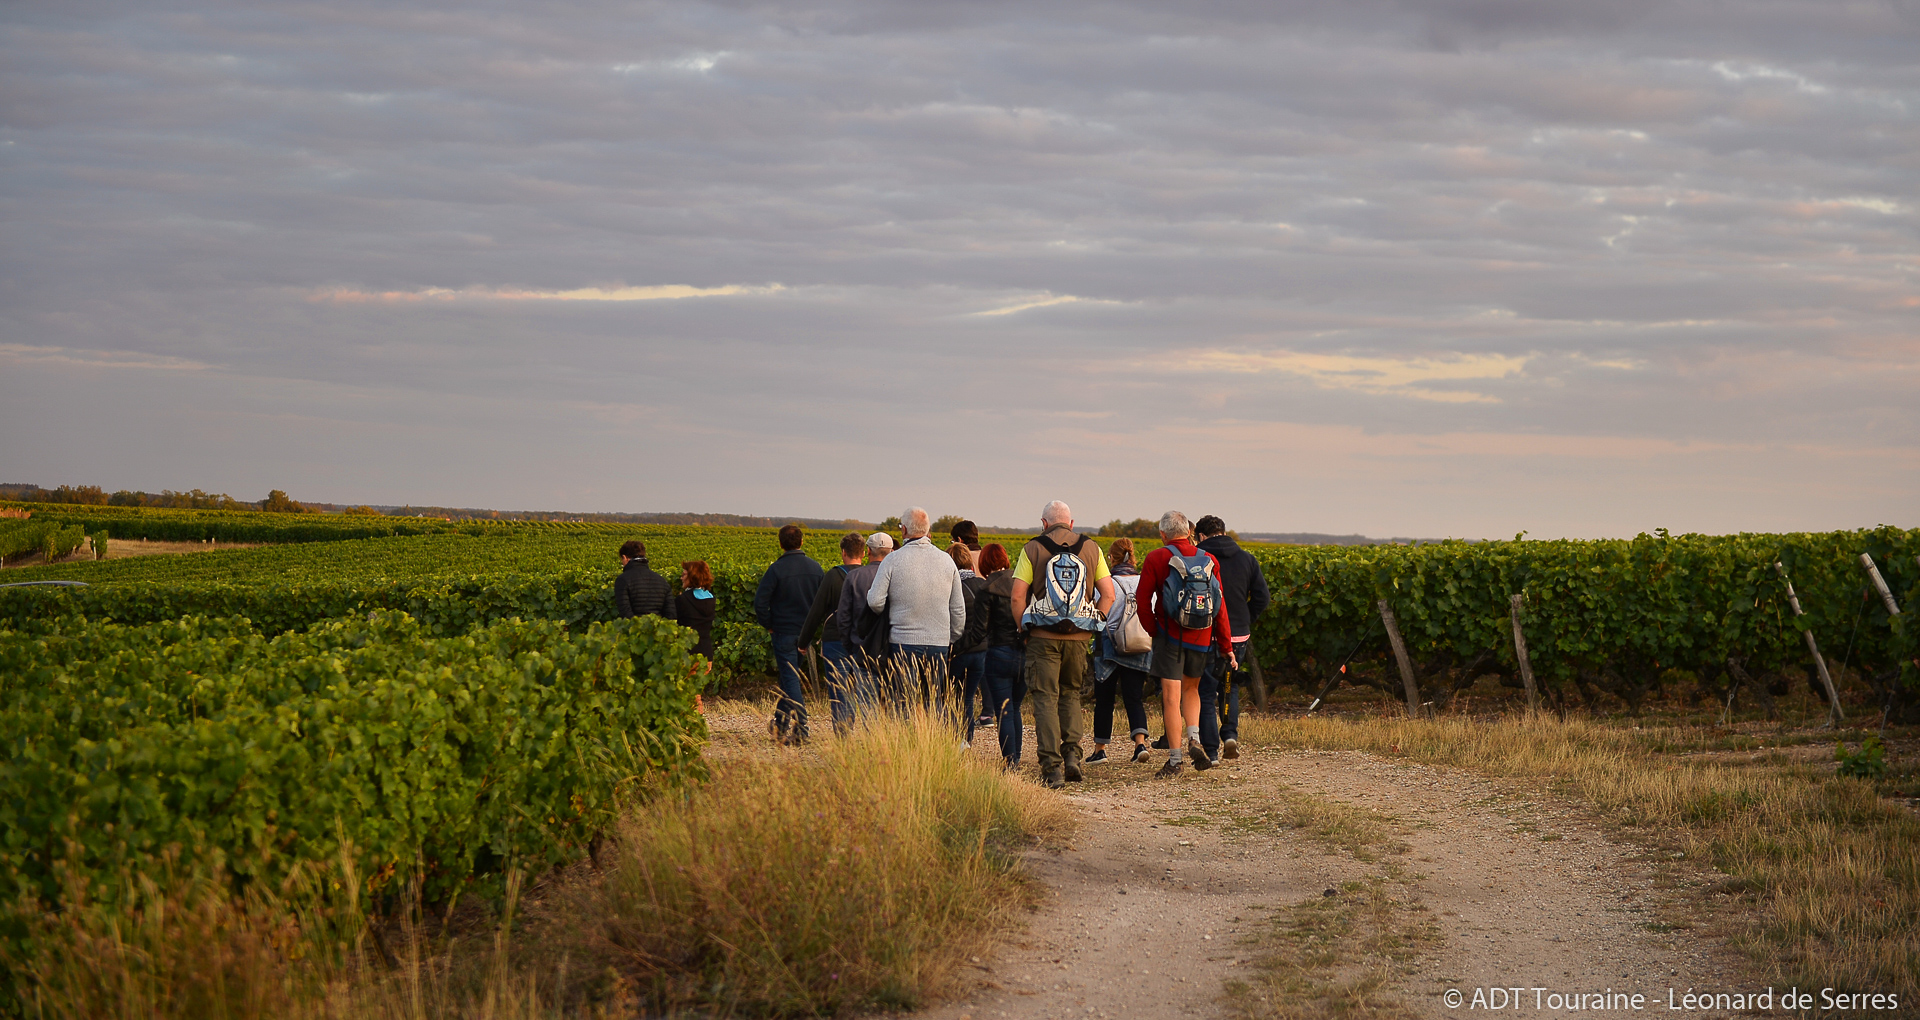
(879, 540)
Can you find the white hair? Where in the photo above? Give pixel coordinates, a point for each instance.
(1055, 512)
(1173, 524)
(880, 541)
(914, 522)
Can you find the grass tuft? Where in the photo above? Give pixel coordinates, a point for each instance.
(1829, 862)
(863, 874)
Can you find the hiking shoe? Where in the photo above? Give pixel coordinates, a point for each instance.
(1053, 780)
(1230, 748)
(1201, 762)
(1168, 771)
(776, 731)
(1097, 757)
(1073, 772)
(1139, 753)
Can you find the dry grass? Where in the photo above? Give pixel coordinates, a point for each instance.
(794, 882)
(121, 548)
(1828, 865)
(858, 871)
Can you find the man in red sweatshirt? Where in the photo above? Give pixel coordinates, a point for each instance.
(1179, 653)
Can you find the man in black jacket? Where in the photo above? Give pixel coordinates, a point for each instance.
(780, 604)
(1245, 588)
(638, 591)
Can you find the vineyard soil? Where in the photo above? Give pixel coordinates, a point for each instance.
(1520, 890)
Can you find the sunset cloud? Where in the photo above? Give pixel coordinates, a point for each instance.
(1385, 375)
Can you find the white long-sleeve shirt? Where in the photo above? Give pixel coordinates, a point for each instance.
(923, 587)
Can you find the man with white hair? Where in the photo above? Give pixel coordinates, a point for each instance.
(918, 587)
(1071, 591)
(1181, 606)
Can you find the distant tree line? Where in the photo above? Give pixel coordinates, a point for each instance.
(192, 499)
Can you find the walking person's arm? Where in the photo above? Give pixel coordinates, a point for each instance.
(763, 600)
(956, 610)
(877, 595)
(1258, 596)
(817, 613)
(1146, 594)
(1223, 625)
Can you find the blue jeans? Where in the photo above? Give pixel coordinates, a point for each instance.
(969, 673)
(1218, 722)
(920, 671)
(842, 678)
(790, 715)
(1006, 679)
(1131, 684)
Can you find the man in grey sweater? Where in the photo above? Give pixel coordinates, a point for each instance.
(918, 587)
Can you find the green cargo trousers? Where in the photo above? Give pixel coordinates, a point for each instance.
(1056, 670)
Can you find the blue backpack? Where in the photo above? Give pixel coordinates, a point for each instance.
(1191, 597)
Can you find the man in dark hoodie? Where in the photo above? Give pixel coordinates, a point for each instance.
(823, 622)
(1245, 588)
(780, 604)
(638, 591)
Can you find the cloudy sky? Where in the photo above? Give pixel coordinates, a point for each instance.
(1464, 267)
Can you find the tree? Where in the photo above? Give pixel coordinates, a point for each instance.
(1139, 527)
(945, 524)
(890, 524)
(363, 511)
(91, 495)
(277, 502)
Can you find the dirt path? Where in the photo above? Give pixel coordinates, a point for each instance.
(1160, 898)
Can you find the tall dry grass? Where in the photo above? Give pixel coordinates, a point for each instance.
(865, 874)
(859, 871)
(1830, 867)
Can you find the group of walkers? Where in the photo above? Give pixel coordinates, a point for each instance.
(949, 625)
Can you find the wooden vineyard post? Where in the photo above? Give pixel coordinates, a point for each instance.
(1826, 679)
(1400, 656)
(1886, 594)
(1520, 655)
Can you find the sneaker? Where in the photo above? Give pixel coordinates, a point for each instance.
(1168, 771)
(1139, 753)
(1053, 780)
(1230, 748)
(985, 720)
(1073, 772)
(1160, 742)
(1098, 756)
(1201, 762)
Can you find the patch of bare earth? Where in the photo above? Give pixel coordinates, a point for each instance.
(121, 548)
(1172, 890)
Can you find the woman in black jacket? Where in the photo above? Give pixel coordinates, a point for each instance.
(1006, 655)
(696, 604)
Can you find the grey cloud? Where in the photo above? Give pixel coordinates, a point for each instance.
(1696, 222)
